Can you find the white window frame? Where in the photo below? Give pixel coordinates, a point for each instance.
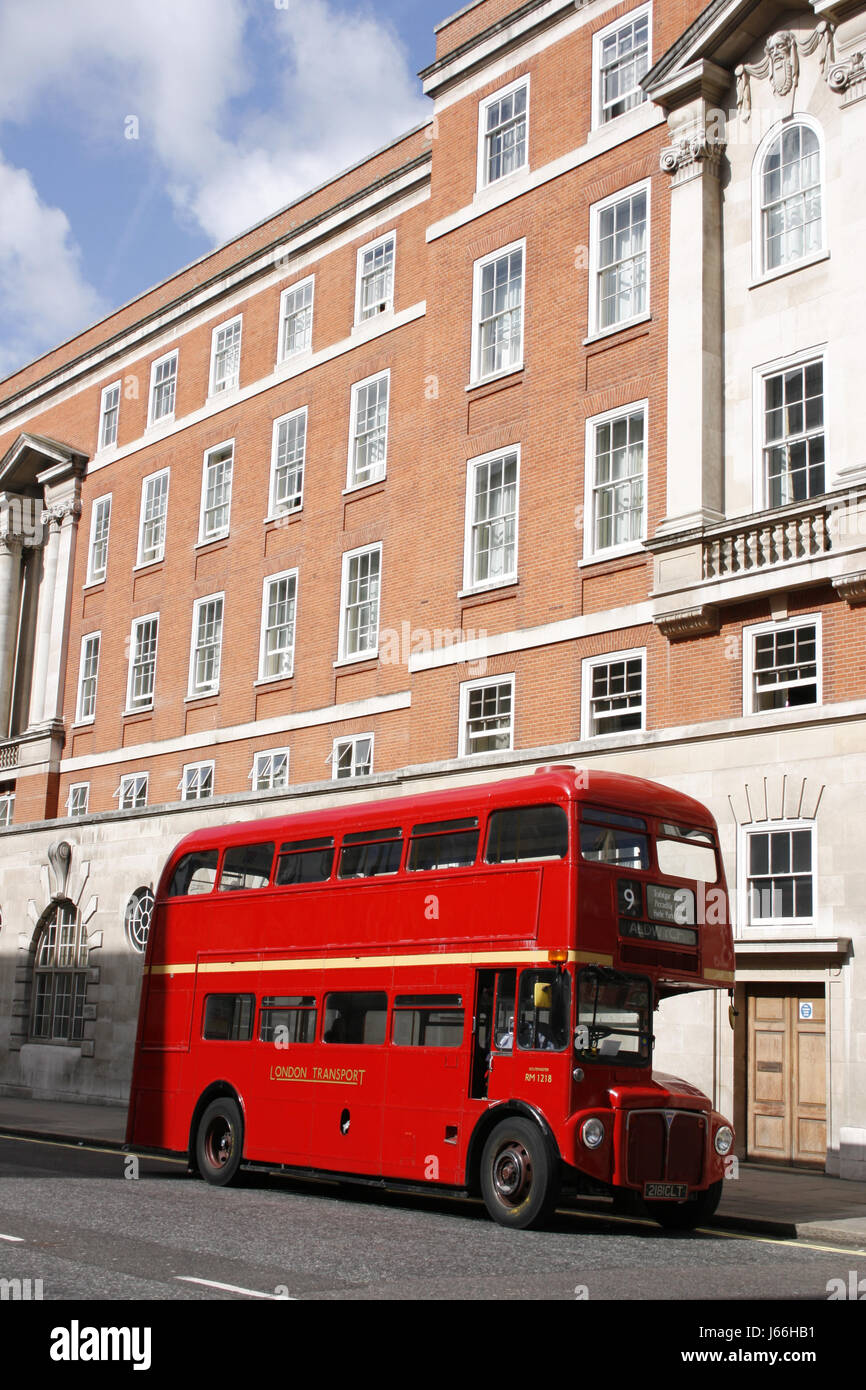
(598, 38)
(206, 537)
(230, 384)
(352, 482)
(595, 213)
(275, 508)
(194, 690)
(168, 416)
(95, 576)
(270, 785)
(81, 715)
(386, 305)
(151, 480)
(345, 742)
(102, 446)
(483, 181)
(80, 787)
(282, 354)
(774, 925)
(143, 704)
(760, 272)
(466, 689)
(755, 630)
(588, 666)
(7, 808)
(368, 653)
(480, 265)
(188, 770)
(263, 677)
(131, 779)
(591, 552)
(471, 527)
(761, 488)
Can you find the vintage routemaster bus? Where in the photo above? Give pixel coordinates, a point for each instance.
(454, 988)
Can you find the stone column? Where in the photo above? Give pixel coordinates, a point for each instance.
(695, 461)
(55, 675)
(44, 615)
(10, 604)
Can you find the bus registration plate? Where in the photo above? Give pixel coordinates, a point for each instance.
(666, 1191)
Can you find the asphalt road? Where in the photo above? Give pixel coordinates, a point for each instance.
(79, 1220)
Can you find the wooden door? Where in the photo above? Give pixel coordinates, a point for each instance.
(786, 1104)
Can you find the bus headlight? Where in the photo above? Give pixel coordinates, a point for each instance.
(592, 1133)
(723, 1140)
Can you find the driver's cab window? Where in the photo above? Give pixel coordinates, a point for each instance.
(503, 1019)
(543, 1011)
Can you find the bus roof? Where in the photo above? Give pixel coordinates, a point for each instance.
(558, 783)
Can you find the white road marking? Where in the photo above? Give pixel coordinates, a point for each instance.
(19, 1240)
(234, 1288)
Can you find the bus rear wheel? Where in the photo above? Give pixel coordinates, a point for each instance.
(219, 1142)
(519, 1175)
(685, 1216)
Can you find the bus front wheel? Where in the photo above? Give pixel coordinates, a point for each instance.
(519, 1175)
(685, 1216)
(219, 1141)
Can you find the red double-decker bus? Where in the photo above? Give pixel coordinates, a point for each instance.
(455, 988)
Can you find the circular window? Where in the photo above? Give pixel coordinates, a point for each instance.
(139, 911)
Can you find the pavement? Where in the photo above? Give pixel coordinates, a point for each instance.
(788, 1203)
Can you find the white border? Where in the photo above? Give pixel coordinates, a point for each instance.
(100, 447)
(140, 562)
(597, 39)
(369, 654)
(588, 665)
(353, 739)
(754, 630)
(270, 753)
(273, 579)
(595, 211)
(351, 485)
(130, 777)
(224, 390)
(482, 183)
(503, 580)
(760, 488)
(273, 513)
(760, 274)
(192, 692)
(477, 270)
(592, 423)
(217, 535)
(292, 289)
(168, 418)
(81, 720)
(507, 678)
(388, 307)
(194, 767)
(772, 926)
(91, 577)
(136, 622)
(74, 787)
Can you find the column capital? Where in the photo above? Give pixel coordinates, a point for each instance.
(58, 513)
(11, 543)
(690, 155)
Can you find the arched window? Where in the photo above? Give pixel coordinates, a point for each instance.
(60, 978)
(790, 197)
(137, 919)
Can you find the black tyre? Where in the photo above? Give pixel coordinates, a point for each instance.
(219, 1142)
(520, 1175)
(685, 1216)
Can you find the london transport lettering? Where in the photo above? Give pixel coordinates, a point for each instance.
(344, 1075)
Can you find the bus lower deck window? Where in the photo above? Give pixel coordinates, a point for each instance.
(427, 1021)
(355, 1017)
(288, 1019)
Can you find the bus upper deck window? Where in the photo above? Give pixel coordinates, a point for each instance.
(445, 844)
(612, 837)
(686, 853)
(245, 867)
(368, 853)
(305, 861)
(195, 873)
(526, 832)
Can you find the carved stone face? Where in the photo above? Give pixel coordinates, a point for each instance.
(781, 53)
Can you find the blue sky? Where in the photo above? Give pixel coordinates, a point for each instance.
(135, 135)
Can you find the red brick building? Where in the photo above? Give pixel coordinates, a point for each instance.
(462, 463)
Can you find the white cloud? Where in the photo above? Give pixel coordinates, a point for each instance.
(44, 297)
(338, 86)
